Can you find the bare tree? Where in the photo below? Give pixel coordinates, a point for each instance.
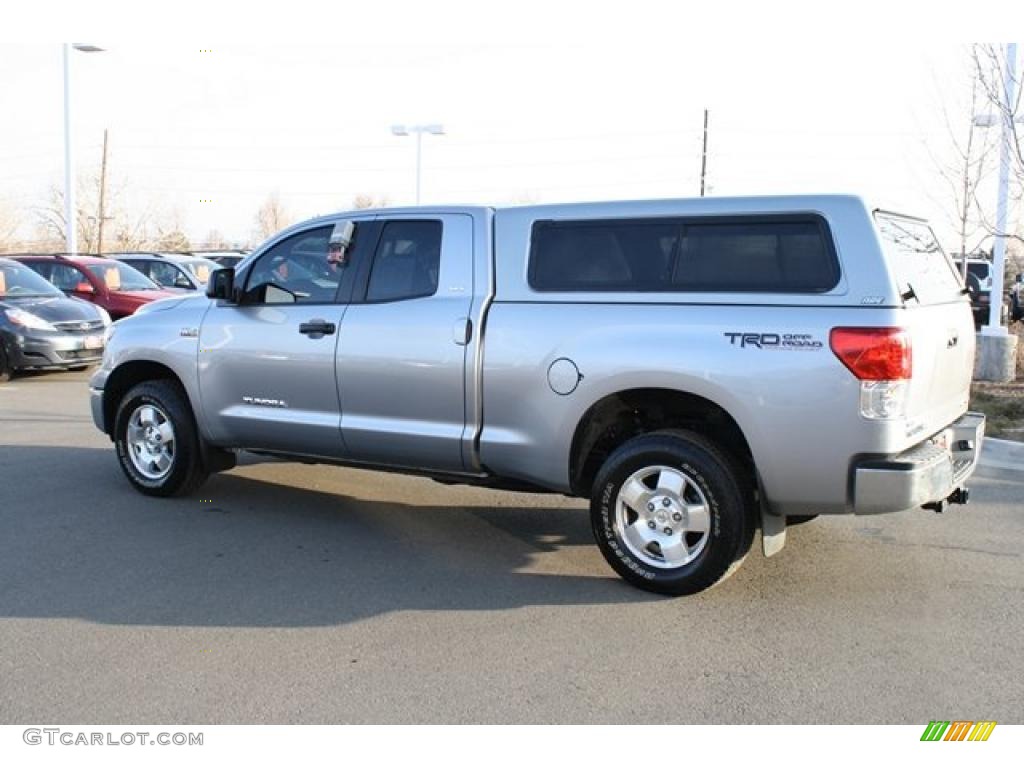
(965, 165)
(126, 229)
(130, 234)
(54, 223)
(272, 217)
(214, 241)
(991, 65)
(9, 223)
(172, 240)
(364, 200)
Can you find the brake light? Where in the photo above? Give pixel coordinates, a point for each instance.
(873, 354)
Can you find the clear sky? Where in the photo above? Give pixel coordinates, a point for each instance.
(209, 131)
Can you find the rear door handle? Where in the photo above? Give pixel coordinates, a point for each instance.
(462, 331)
(317, 328)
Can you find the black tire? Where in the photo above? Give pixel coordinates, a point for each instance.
(185, 472)
(729, 505)
(6, 372)
(799, 519)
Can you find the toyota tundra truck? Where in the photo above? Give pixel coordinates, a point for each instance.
(698, 369)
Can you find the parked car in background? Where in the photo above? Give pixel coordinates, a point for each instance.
(1017, 299)
(979, 286)
(199, 267)
(117, 287)
(41, 328)
(172, 271)
(223, 258)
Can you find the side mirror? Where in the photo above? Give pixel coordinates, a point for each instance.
(84, 287)
(222, 284)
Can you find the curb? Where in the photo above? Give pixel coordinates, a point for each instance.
(1002, 454)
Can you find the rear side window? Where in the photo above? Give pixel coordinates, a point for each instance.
(407, 262)
(66, 277)
(922, 270)
(790, 254)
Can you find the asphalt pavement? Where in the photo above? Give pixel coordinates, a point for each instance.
(309, 594)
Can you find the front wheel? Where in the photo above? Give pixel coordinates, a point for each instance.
(671, 513)
(156, 440)
(5, 367)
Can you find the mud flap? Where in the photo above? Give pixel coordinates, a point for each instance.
(773, 527)
(773, 532)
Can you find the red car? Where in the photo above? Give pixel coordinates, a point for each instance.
(113, 285)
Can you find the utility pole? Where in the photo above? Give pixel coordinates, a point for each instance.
(103, 198)
(704, 155)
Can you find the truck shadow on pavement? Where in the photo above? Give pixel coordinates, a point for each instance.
(249, 551)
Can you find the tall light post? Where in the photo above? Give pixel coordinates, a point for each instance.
(998, 349)
(419, 130)
(999, 250)
(70, 219)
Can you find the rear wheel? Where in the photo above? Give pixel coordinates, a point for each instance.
(671, 513)
(156, 440)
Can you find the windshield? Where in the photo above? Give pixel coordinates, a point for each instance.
(922, 269)
(121, 277)
(201, 269)
(18, 280)
(978, 270)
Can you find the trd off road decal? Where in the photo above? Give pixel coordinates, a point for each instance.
(785, 341)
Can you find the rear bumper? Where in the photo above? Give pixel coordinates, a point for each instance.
(928, 472)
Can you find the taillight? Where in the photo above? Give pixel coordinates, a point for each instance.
(881, 359)
(873, 354)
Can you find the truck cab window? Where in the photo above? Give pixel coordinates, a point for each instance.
(296, 269)
(407, 262)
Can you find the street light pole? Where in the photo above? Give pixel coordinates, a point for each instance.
(704, 155)
(70, 216)
(404, 130)
(70, 225)
(419, 165)
(999, 249)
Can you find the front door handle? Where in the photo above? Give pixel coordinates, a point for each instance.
(317, 328)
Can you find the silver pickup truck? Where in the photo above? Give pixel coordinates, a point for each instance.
(696, 368)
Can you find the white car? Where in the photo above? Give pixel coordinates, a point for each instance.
(171, 270)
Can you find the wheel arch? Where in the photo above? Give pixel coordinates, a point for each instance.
(622, 415)
(126, 376)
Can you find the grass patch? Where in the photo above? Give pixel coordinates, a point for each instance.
(1003, 406)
